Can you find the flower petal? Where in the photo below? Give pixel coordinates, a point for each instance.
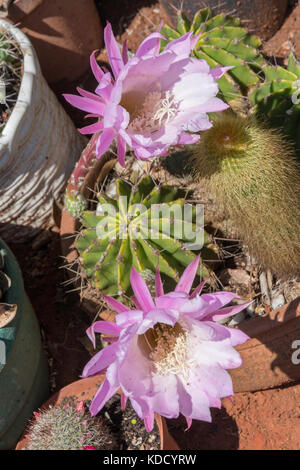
(100, 361)
(92, 128)
(121, 150)
(98, 73)
(149, 422)
(106, 327)
(150, 45)
(129, 317)
(186, 281)
(105, 392)
(167, 316)
(181, 46)
(158, 284)
(226, 312)
(141, 291)
(85, 104)
(113, 51)
(104, 141)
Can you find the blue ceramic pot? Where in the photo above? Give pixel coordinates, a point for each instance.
(24, 378)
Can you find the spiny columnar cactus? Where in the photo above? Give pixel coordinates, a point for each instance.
(223, 41)
(69, 426)
(278, 98)
(254, 177)
(128, 234)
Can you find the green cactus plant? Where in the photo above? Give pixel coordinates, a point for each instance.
(10, 76)
(223, 41)
(127, 238)
(276, 99)
(69, 426)
(254, 177)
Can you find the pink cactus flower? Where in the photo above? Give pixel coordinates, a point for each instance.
(89, 448)
(153, 100)
(169, 355)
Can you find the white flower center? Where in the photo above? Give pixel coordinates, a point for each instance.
(157, 110)
(169, 349)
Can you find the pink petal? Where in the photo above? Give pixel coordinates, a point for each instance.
(105, 392)
(98, 73)
(149, 422)
(86, 104)
(167, 316)
(105, 327)
(194, 40)
(237, 336)
(217, 72)
(100, 361)
(141, 291)
(113, 51)
(226, 312)
(129, 317)
(165, 395)
(92, 128)
(158, 284)
(123, 401)
(188, 422)
(181, 46)
(150, 45)
(121, 150)
(104, 141)
(216, 301)
(125, 52)
(199, 288)
(173, 300)
(187, 139)
(211, 106)
(186, 281)
(88, 94)
(115, 304)
(200, 402)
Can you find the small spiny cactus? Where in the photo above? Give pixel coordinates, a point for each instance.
(10, 76)
(223, 41)
(69, 426)
(253, 175)
(134, 236)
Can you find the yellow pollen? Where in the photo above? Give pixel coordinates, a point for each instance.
(167, 347)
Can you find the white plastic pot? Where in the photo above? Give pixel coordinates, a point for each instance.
(38, 149)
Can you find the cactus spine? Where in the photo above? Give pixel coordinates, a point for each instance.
(255, 179)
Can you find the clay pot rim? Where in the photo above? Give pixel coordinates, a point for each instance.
(89, 386)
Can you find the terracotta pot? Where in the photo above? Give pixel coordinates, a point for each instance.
(86, 389)
(64, 33)
(266, 357)
(263, 16)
